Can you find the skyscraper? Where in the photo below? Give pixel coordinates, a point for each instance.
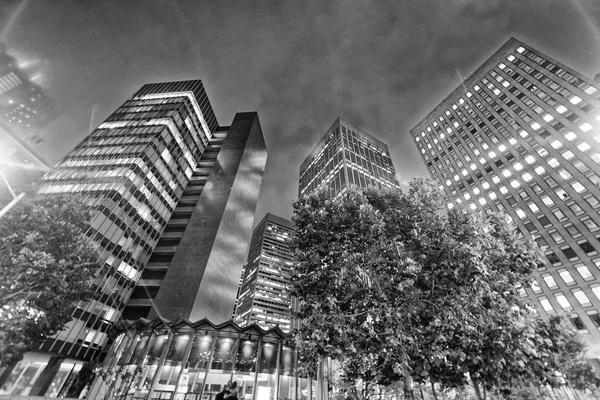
(521, 135)
(264, 295)
(346, 155)
(168, 188)
(23, 104)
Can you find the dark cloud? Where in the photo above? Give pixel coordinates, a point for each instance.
(382, 65)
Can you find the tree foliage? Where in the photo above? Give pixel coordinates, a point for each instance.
(46, 267)
(399, 289)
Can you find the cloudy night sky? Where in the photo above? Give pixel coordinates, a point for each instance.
(382, 65)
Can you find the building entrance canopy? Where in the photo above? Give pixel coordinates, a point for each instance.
(158, 359)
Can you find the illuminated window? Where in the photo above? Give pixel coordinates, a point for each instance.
(520, 49)
(520, 213)
(561, 109)
(553, 163)
(578, 187)
(485, 185)
(482, 201)
(492, 195)
(527, 177)
(502, 148)
(536, 126)
(562, 194)
(545, 304)
(548, 117)
(562, 300)
(566, 277)
(476, 190)
(491, 154)
(581, 297)
(596, 290)
(585, 273)
(556, 144)
(583, 146)
(512, 141)
(503, 189)
(547, 201)
(511, 58)
(467, 196)
(575, 100)
(530, 159)
(495, 179)
(506, 173)
(557, 237)
(472, 206)
(565, 174)
(568, 155)
(523, 134)
(570, 136)
(539, 170)
(549, 279)
(515, 184)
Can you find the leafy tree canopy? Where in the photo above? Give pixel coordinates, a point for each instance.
(399, 289)
(46, 267)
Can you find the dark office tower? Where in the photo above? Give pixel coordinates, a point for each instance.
(345, 156)
(264, 295)
(194, 270)
(521, 135)
(169, 188)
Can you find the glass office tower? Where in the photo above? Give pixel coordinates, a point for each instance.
(345, 156)
(264, 295)
(521, 136)
(170, 189)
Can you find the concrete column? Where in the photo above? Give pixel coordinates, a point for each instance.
(186, 356)
(257, 371)
(161, 363)
(278, 370)
(210, 358)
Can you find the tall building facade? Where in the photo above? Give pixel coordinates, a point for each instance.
(170, 190)
(264, 294)
(347, 155)
(23, 104)
(521, 136)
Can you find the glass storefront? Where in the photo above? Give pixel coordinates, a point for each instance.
(195, 361)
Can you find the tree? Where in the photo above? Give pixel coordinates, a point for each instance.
(46, 268)
(399, 289)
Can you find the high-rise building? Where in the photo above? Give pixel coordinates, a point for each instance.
(346, 156)
(264, 294)
(23, 104)
(521, 136)
(170, 190)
